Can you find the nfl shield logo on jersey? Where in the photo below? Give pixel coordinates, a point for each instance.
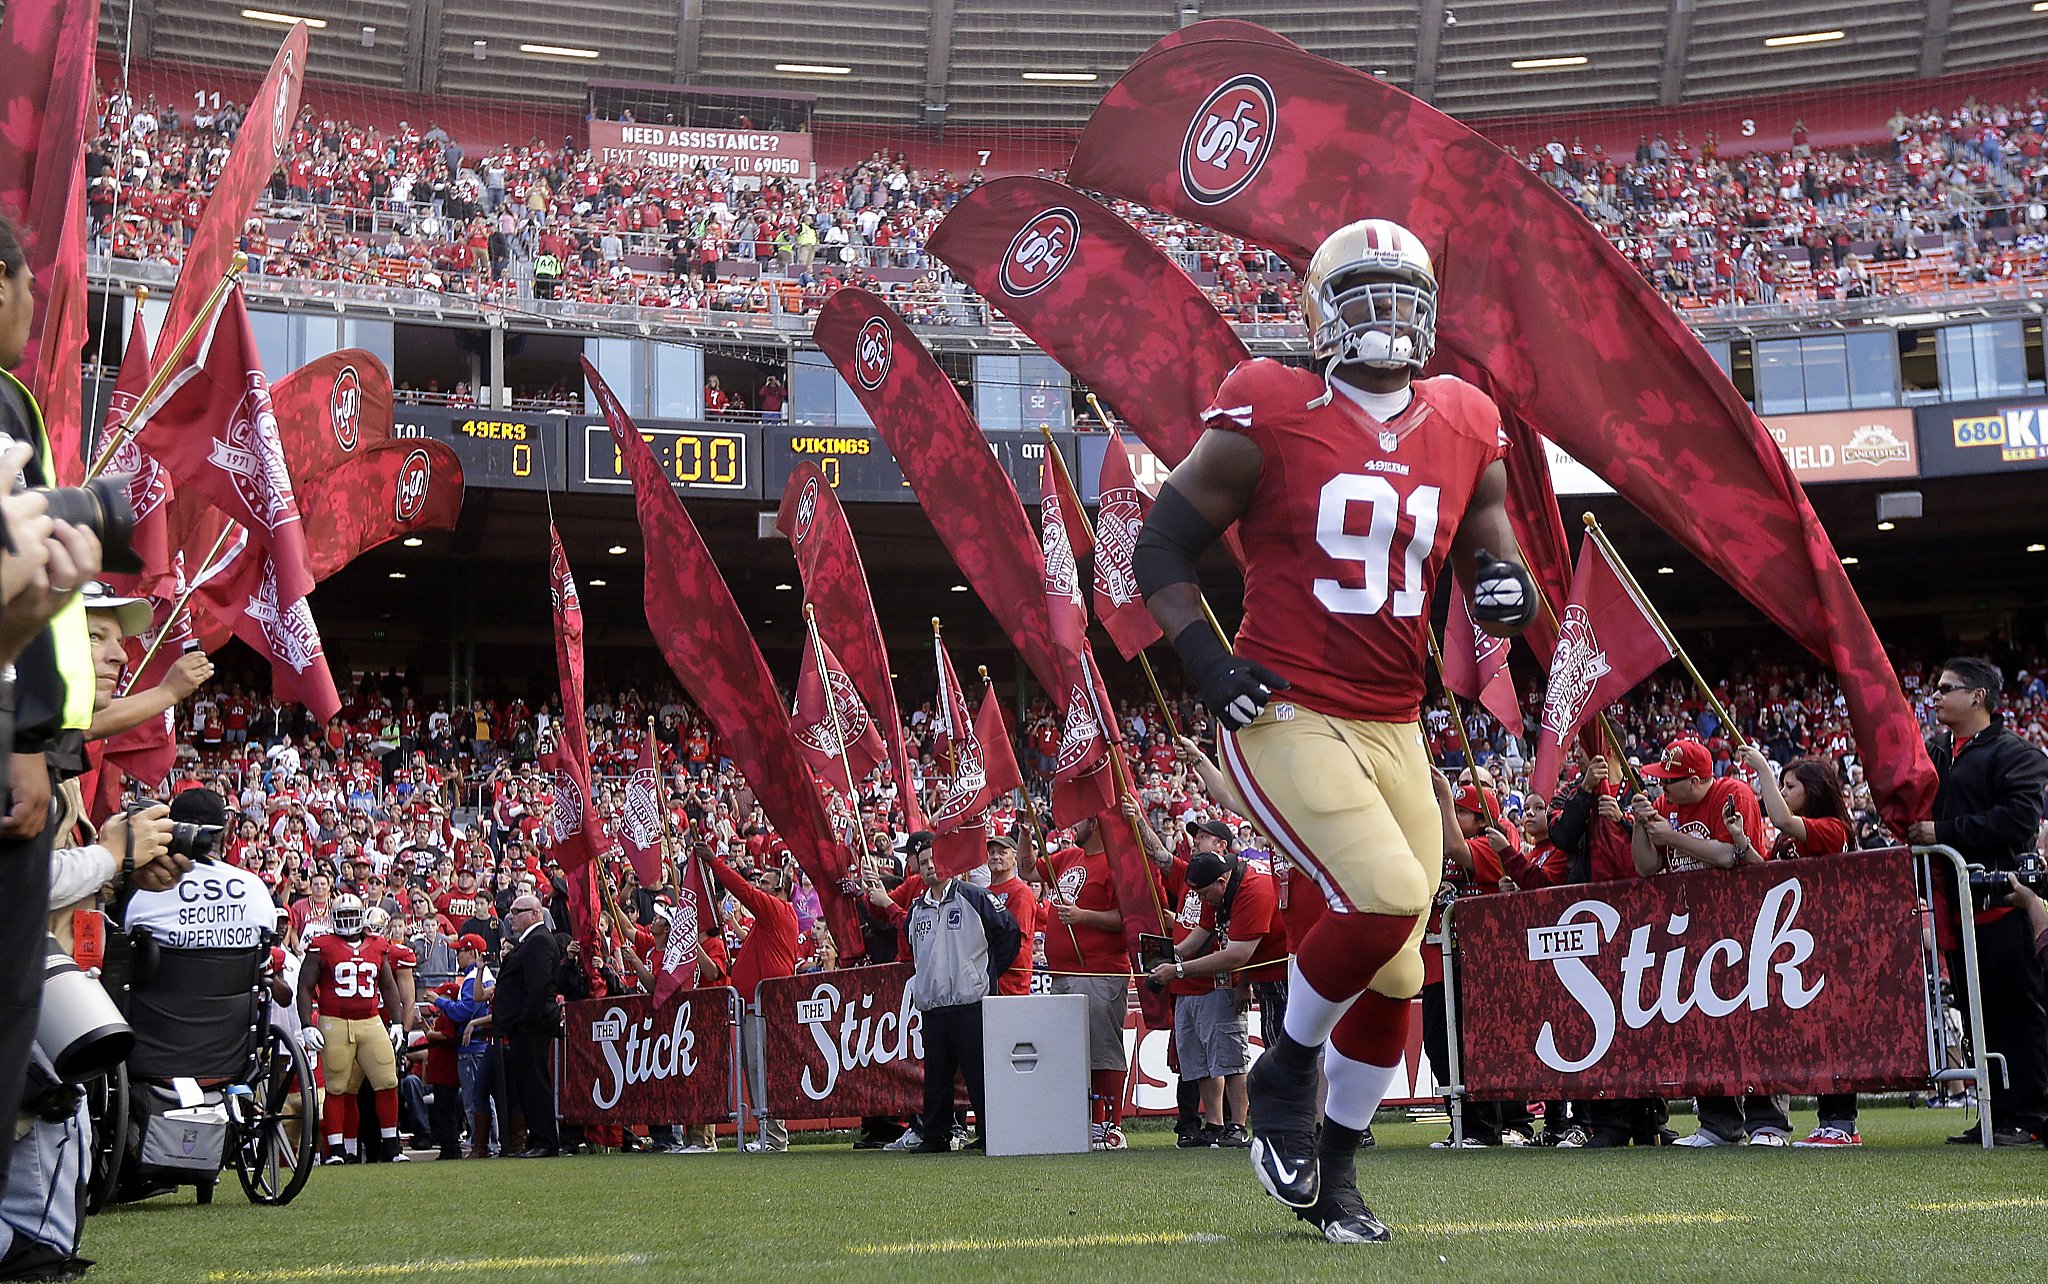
(1388, 440)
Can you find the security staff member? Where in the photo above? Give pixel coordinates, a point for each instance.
(547, 275)
(525, 1010)
(1989, 809)
(52, 691)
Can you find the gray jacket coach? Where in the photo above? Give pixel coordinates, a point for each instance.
(958, 946)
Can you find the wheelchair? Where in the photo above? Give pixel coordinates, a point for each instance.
(211, 1081)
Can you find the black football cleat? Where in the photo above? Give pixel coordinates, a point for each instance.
(1283, 1119)
(1343, 1218)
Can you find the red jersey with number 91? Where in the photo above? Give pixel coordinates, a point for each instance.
(1348, 529)
(348, 975)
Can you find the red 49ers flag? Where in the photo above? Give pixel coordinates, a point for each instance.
(238, 593)
(642, 825)
(214, 427)
(258, 150)
(1282, 148)
(1606, 646)
(1083, 784)
(836, 738)
(959, 815)
(1476, 666)
(388, 490)
(1119, 517)
(149, 486)
(579, 831)
(47, 47)
(836, 584)
(710, 649)
(331, 410)
(998, 751)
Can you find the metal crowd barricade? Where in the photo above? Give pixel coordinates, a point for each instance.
(1927, 882)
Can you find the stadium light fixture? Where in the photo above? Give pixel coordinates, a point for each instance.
(1063, 77)
(1804, 38)
(413, 541)
(398, 575)
(2041, 6)
(1887, 526)
(2038, 548)
(597, 583)
(959, 588)
(1548, 64)
(1852, 561)
(557, 51)
(812, 69)
(785, 588)
(283, 19)
(1666, 570)
(617, 550)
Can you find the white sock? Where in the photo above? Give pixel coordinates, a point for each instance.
(1356, 1087)
(1310, 1017)
(387, 1133)
(349, 1145)
(334, 1141)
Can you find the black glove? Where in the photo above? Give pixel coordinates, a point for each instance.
(1502, 592)
(1235, 689)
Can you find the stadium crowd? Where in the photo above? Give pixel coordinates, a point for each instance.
(438, 819)
(1955, 198)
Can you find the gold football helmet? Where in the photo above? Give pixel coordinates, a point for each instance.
(1370, 296)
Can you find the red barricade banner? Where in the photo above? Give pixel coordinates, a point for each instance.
(631, 1060)
(1800, 976)
(841, 1044)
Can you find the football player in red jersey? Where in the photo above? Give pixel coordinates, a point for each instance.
(1350, 492)
(347, 974)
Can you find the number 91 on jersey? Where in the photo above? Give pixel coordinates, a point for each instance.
(709, 460)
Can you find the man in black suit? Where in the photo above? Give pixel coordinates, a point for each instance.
(523, 1011)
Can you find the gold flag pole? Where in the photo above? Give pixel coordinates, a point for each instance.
(838, 737)
(1642, 599)
(1073, 496)
(161, 375)
(1550, 613)
(178, 607)
(1457, 716)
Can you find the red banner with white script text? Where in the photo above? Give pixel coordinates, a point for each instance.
(630, 1059)
(1799, 976)
(842, 1044)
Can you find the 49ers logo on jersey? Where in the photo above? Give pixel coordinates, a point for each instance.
(873, 352)
(415, 475)
(806, 512)
(345, 408)
(1576, 670)
(1228, 140)
(1040, 251)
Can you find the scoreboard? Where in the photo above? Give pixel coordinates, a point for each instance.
(524, 450)
(508, 449)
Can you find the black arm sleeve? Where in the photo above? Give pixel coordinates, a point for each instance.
(1173, 537)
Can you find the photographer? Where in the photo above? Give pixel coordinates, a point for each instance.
(1988, 809)
(43, 633)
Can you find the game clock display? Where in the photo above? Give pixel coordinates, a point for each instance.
(697, 459)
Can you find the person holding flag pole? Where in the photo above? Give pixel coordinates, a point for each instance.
(840, 749)
(1036, 828)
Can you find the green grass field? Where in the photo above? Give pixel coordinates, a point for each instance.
(1904, 1207)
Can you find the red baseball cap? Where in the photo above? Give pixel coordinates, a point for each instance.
(1471, 798)
(1683, 760)
(471, 941)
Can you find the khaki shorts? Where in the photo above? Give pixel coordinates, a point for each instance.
(356, 1051)
(1351, 805)
(1109, 1000)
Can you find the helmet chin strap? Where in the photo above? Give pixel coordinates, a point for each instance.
(1337, 358)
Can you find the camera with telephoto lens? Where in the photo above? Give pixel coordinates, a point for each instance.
(1989, 888)
(100, 506)
(78, 1028)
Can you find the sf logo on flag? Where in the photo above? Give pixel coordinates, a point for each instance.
(806, 511)
(873, 353)
(345, 407)
(1228, 140)
(414, 476)
(280, 109)
(1040, 251)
